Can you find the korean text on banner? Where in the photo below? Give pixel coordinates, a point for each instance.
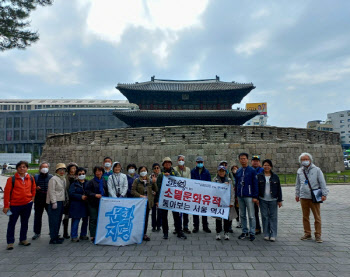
(195, 197)
(120, 221)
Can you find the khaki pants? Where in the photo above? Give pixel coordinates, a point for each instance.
(306, 206)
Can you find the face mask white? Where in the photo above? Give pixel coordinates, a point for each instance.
(305, 163)
(143, 173)
(44, 170)
(181, 162)
(131, 171)
(108, 165)
(81, 177)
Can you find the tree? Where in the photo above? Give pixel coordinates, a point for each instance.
(14, 21)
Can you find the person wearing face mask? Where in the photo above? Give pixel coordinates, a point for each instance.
(71, 177)
(200, 173)
(185, 172)
(117, 183)
(143, 187)
(55, 198)
(131, 175)
(107, 164)
(156, 213)
(223, 178)
(42, 181)
(78, 206)
(310, 174)
(168, 170)
(95, 189)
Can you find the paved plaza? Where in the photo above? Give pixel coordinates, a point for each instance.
(199, 255)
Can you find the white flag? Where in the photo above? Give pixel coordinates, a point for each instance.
(121, 221)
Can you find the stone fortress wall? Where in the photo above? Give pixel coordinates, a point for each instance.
(144, 146)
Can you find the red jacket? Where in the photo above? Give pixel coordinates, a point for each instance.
(23, 192)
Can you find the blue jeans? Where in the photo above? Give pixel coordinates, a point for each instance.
(22, 211)
(268, 211)
(55, 218)
(247, 204)
(75, 226)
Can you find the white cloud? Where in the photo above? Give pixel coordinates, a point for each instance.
(318, 73)
(50, 67)
(110, 18)
(253, 43)
(260, 13)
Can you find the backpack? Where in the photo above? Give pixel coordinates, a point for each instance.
(13, 183)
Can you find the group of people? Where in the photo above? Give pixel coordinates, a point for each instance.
(69, 195)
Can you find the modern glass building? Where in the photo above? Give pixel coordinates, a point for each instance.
(24, 129)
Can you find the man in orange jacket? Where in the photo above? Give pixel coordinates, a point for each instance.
(19, 195)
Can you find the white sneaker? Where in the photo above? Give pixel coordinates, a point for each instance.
(266, 238)
(272, 239)
(218, 237)
(227, 237)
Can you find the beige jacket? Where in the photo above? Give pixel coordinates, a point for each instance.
(56, 190)
(186, 173)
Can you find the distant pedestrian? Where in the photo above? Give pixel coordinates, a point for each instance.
(57, 195)
(310, 174)
(270, 197)
(78, 206)
(223, 178)
(19, 195)
(42, 182)
(95, 189)
(144, 188)
(246, 187)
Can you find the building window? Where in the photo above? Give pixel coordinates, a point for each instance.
(341, 126)
(16, 135)
(24, 135)
(342, 115)
(342, 132)
(17, 122)
(9, 122)
(9, 136)
(341, 121)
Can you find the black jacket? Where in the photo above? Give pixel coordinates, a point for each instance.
(92, 188)
(275, 186)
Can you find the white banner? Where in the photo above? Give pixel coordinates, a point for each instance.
(120, 221)
(195, 197)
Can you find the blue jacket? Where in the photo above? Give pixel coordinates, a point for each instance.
(250, 186)
(205, 175)
(259, 170)
(78, 207)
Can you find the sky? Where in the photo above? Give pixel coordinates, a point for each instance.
(296, 53)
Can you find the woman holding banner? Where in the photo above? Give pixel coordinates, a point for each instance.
(222, 177)
(144, 188)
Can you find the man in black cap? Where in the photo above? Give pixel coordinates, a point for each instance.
(200, 173)
(257, 166)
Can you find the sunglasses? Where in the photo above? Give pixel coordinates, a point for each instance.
(81, 174)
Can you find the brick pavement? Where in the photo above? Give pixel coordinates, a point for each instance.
(199, 255)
